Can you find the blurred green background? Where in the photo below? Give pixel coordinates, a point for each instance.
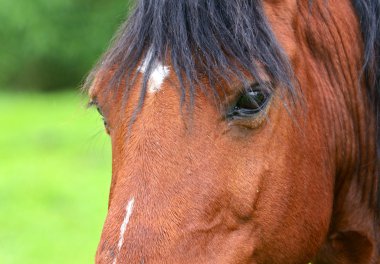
(55, 158)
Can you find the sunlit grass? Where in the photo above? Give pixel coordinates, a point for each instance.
(54, 178)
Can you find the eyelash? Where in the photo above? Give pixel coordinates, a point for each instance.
(93, 103)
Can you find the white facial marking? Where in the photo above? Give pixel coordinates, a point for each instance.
(144, 66)
(123, 227)
(157, 77)
(158, 74)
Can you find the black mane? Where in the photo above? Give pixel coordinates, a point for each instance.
(368, 12)
(202, 37)
(220, 39)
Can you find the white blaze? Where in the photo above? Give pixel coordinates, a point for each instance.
(158, 74)
(128, 213)
(123, 227)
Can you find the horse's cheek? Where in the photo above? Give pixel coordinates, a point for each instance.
(294, 195)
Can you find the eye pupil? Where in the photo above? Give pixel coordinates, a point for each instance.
(253, 100)
(252, 103)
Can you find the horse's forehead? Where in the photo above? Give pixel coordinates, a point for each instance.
(93, 88)
(157, 74)
(99, 80)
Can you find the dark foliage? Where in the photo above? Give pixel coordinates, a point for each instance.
(50, 44)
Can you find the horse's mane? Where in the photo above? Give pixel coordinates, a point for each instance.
(221, 39)
(368, 12)
(216, 39)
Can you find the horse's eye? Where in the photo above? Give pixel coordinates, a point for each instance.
(101, 114)
(95, 103)
(253, 101)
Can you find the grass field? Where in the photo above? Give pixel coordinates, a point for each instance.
(55, 171)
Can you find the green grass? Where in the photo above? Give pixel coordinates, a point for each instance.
(55, 171)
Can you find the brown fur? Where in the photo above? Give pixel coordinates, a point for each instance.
(288, 191)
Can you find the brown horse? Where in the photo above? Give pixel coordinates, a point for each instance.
(243, 131)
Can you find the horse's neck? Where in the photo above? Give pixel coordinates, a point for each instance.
(331, 41)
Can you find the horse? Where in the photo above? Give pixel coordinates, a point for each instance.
(242, 131)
